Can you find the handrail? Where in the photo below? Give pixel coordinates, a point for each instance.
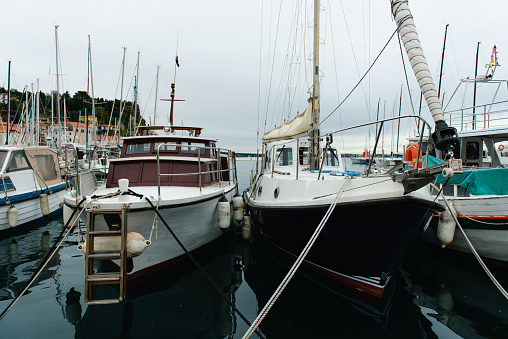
(230, 154)
(425, 125)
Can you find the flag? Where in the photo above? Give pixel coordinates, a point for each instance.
(176, 60)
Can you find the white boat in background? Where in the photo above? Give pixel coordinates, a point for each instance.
(184, 181)
(479, 196)
(370, 220)
(31, 187)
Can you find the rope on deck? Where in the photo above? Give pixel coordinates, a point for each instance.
(296, 265)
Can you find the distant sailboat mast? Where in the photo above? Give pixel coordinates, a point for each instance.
(58, 92)
(156, 95)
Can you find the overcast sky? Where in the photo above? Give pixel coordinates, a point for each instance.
(227, 60)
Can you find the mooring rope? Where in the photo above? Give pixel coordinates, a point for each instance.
(199, 266)
(477, 256)
(296, 265)
(50, 255)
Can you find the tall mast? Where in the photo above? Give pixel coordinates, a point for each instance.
(94, 127)
(136, 96)
(156, 91)
(474, 91)
(121, 87)
(37, 111)
(314, 153)
(58, 93)
(8, 103)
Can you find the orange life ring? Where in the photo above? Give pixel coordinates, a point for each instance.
(500, 147)
(412, 154)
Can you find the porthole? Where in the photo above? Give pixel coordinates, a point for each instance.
(276, 192)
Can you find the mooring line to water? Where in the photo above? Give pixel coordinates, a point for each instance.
(296, 265)
(477, 256)
(200, 268)
(50, 255)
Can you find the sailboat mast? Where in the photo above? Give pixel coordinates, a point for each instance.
(314, 152)
(136, 96)
(156, 93)
(94, 127)
(58, 93)
(8, 103)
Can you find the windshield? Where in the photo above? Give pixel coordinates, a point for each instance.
(3, 154)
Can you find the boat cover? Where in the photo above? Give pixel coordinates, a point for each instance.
(300, 124)
(478, 181)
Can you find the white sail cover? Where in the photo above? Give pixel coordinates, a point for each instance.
(300, 124)
(409, 36)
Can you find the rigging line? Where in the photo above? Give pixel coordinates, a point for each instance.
(359, 82)
(405, 74)
(259, 75)
(273, 62)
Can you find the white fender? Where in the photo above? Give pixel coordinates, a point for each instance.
(237, 207)
(246, 228)
(136, 244)
(446, 226)
(223, 213)
(43, 199)
(12, 216)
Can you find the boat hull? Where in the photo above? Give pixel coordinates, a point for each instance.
(194, 222)
(485, 222)
(29, 208)
(357, 246)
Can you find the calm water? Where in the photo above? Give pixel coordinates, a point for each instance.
(434, 294)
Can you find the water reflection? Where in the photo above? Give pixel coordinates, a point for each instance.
(179, 303)
(457, 292)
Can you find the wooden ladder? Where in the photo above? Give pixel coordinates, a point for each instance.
(92, 255)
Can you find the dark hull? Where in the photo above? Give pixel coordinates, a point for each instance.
(361, 244)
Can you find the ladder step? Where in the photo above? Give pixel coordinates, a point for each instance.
(105, 233)
(103, 278)
(103, 302)
(105, 256)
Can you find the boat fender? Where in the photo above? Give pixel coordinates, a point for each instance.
(44, 202)
(237, 207)
(447, 172)
(136, 244)
(446, 226)
(246, 228)
(12, 216)
(223, 213)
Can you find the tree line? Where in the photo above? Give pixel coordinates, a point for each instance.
(77, 107)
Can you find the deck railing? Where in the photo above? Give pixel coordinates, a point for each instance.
(231, 160)
(423, 125)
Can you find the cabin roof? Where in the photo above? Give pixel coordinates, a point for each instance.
(168, 137)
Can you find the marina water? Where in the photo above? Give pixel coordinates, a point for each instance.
(435, 294)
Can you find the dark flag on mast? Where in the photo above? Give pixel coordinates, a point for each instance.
(176, 60)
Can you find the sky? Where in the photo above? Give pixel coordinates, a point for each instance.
(243, 68)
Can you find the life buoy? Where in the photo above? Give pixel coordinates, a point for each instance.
(412, 154)
(500, 147)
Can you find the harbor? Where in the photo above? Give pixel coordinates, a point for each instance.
(344, 196)
(435, 293)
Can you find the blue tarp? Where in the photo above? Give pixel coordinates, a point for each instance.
(478, 181)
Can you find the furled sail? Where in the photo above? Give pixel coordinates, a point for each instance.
(300, 124)
(411, 42)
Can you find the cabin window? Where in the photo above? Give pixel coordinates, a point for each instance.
(331, 158)
(303, 155)
(192, 148)
(166, 146)
(284, 156)
(8, 184)
(268, 159)
(472, 150)
(142, 147)
(214, 150)
(18, 162)
(46, 167)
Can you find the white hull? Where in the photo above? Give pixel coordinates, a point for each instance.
(488, 232)
(191, 214)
